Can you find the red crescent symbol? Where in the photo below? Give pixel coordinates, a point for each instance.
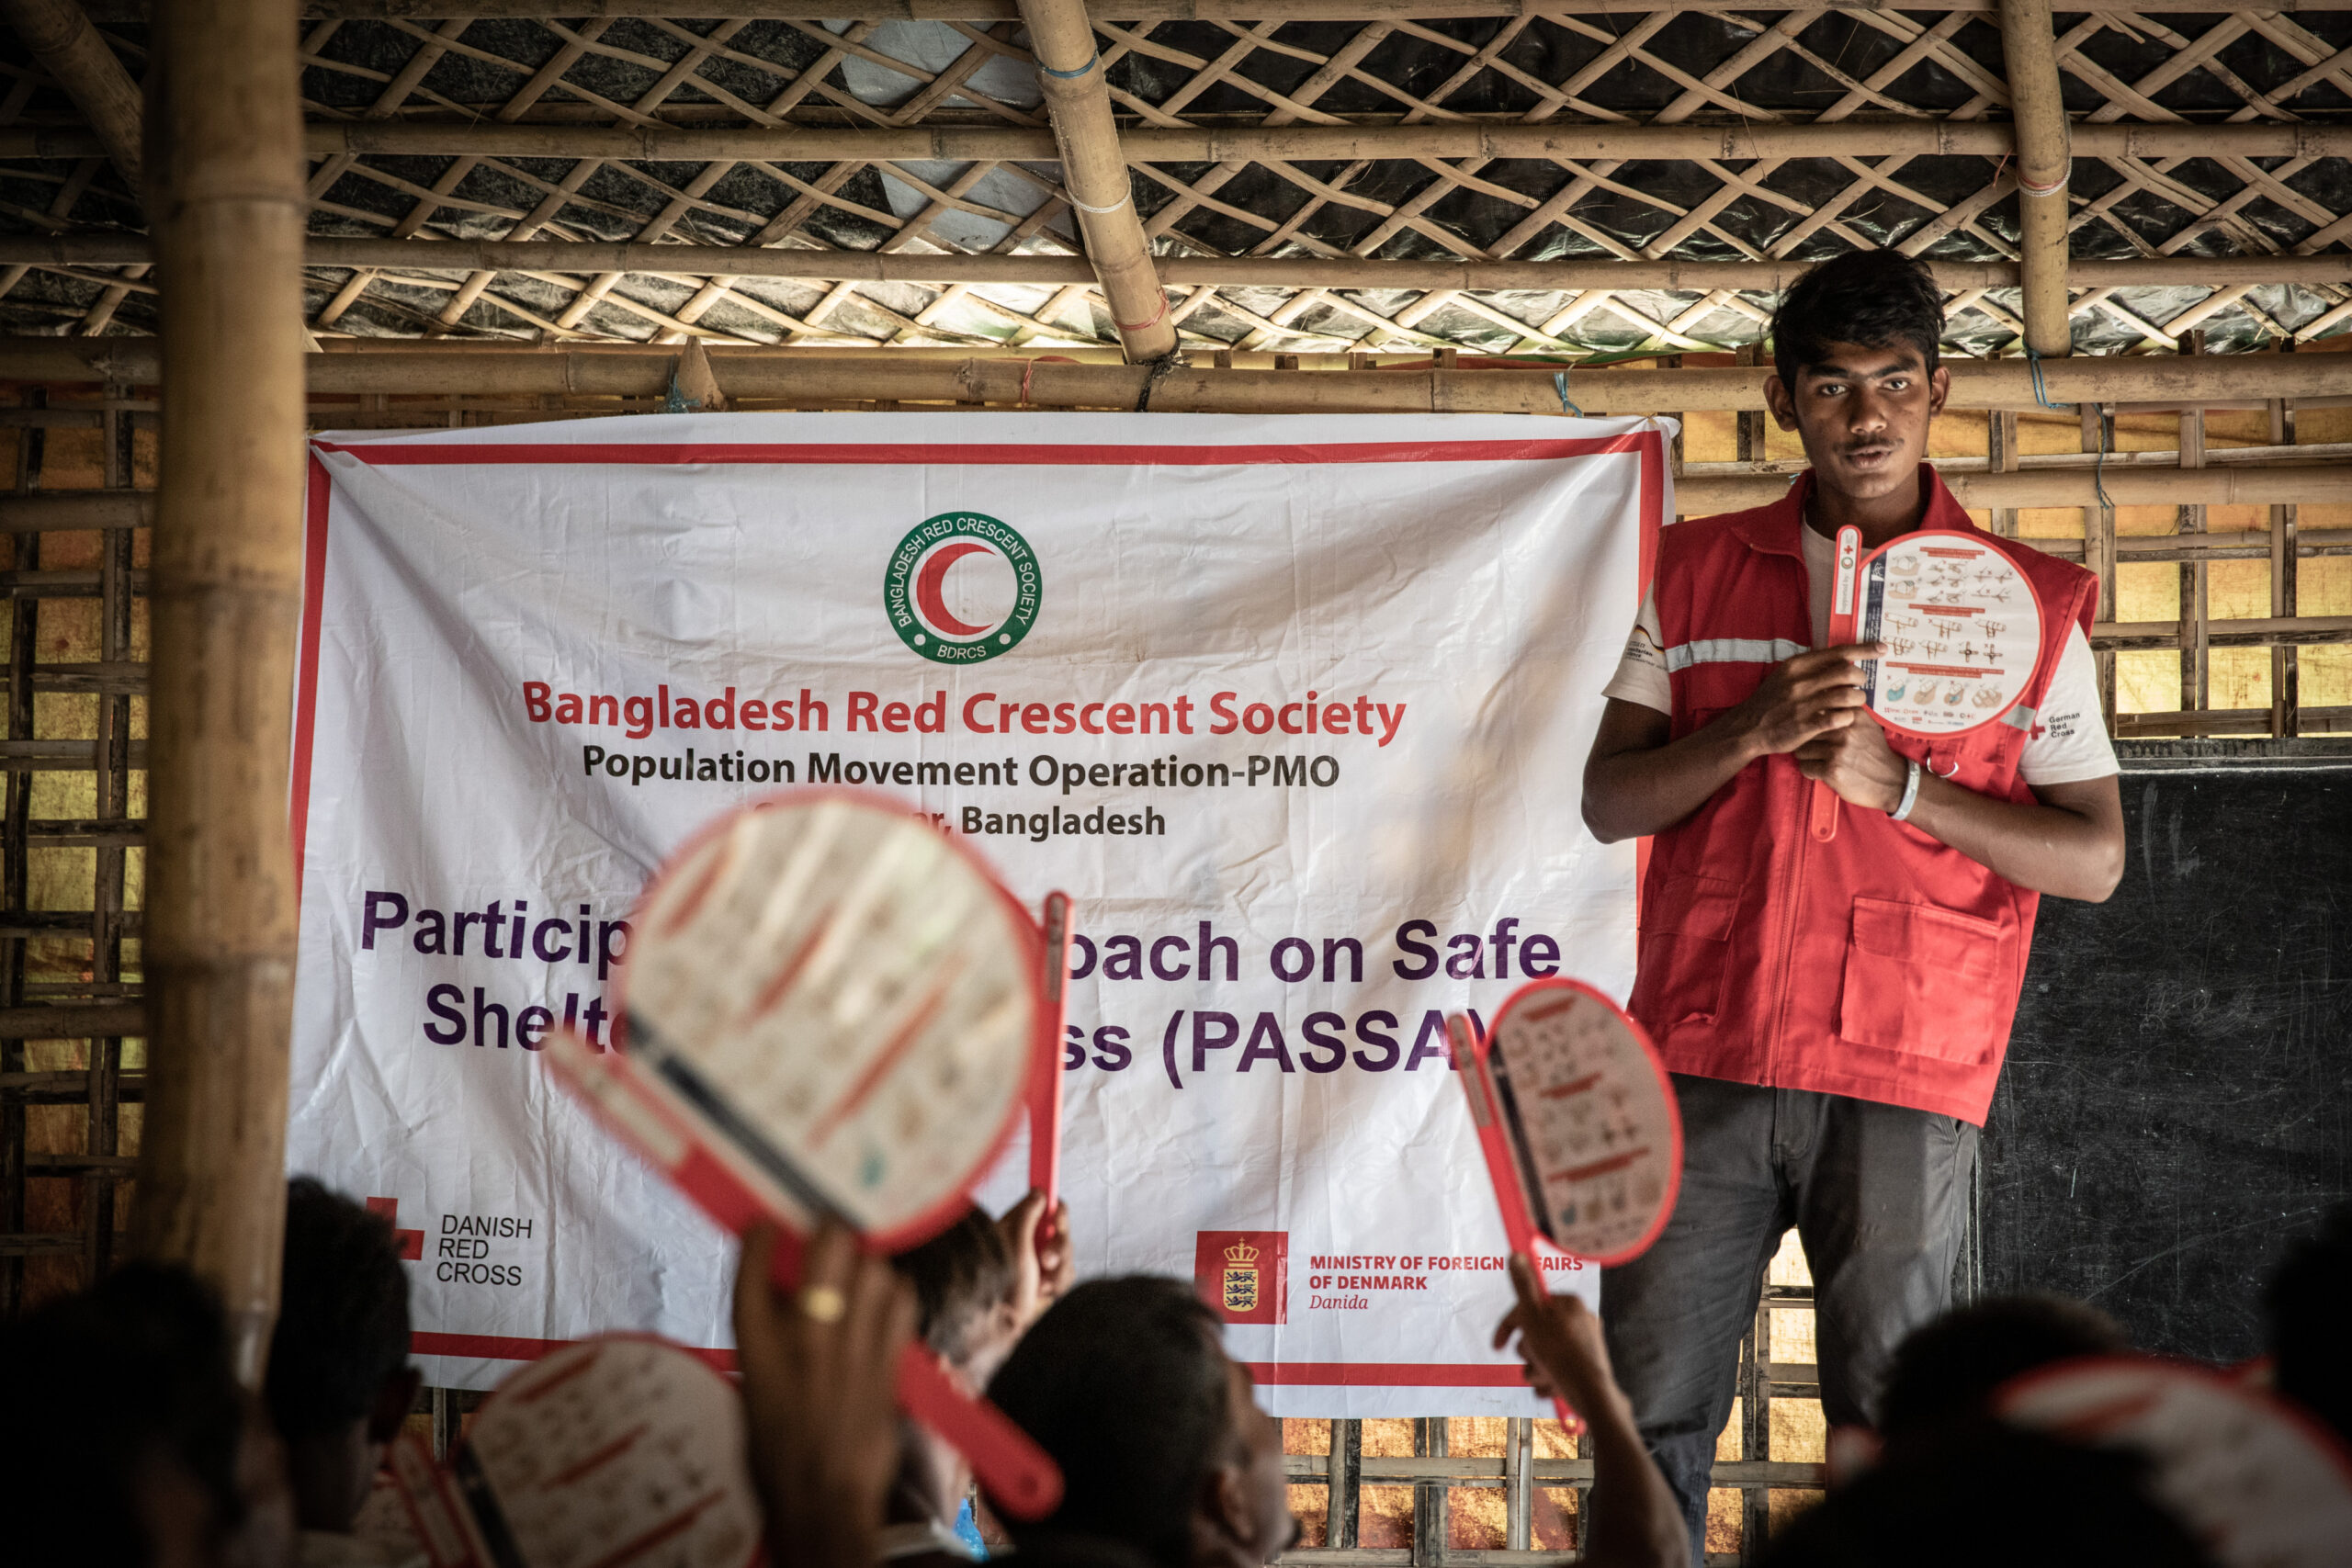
(927, 584)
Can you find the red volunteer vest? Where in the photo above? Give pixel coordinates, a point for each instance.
(1880, 964)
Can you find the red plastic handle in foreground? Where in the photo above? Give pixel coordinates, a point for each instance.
(1021, 1478)
(1045, 1089)
(1842, 610)
(1487, 1114)
(1824, 812)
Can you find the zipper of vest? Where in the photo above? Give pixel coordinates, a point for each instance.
(1800, 831)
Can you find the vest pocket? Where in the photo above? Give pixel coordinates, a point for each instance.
(1923, 980)
(1685, 947)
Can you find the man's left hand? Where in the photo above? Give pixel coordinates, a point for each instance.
(1858, 763)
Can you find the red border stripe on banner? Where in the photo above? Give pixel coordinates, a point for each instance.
(502, 1347)
(1293, 1374)
(306, 686)
(396, 454)
(1387, 1374)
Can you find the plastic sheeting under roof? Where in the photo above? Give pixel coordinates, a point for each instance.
(1664, 66)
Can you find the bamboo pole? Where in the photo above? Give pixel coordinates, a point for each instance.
(756, 374)
(1714, 491)
(2030, 48)
(1156, 10)
(229, 208)
(60, 509)
(59, 36)
(2280, 484)
(2252, 632)
(73, 1021)
(1309, 143)
(1164, 144)
(2333, 267)
(1094, 173)
(1213, 144)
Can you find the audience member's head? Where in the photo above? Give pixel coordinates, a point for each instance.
(2312, 1361)
(125, 1440)
(1877, 299)
(962, 1279)
(1986, 1493)
(1162, 1445)
(1947, 1372)
(340, 1383)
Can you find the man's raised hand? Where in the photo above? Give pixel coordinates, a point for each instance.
(1559, 1338)
(1637, 1521)
(820, 1367)
(1043, 1268)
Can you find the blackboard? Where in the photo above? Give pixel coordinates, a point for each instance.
(2178, 1103)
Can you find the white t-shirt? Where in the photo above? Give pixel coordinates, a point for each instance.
(2068, 743)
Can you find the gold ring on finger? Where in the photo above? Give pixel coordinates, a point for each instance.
(822, 1303)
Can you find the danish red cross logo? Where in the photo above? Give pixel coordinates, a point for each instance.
(411, 1243)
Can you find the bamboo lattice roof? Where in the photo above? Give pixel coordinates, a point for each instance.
(1868, 70)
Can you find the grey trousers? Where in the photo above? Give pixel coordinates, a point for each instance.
(1878, 1195)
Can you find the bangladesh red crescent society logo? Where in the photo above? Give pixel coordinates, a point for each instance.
(962, 587)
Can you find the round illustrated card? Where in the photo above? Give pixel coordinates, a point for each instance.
(843, 1003)
(1961, 625)
(2256, 1480)
(1591, 1118)
(612, 1450)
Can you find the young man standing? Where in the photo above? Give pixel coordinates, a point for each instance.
(1835, 1014)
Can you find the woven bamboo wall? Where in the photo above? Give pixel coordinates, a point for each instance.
(69, 859)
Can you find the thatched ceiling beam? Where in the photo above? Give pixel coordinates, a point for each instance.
(1071, 76)
(754, 374)
(2029, 51)
(1152, 10)
(1307, 143)
(61, 38)
(2331, 267)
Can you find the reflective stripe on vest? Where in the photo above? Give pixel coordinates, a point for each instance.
(2023, 718)
(1731, 650)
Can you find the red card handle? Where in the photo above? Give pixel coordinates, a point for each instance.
(1842, 609)
(1824, 812)
(1487, 1114)
(1021, 1478)
(436, 1510)
(1045, 1089)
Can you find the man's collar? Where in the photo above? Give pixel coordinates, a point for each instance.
(1776, 529)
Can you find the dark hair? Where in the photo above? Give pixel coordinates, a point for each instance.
(342, 1324)
(95, 1387)
(1125, 1383)
(1873, 298)
(1984, 1493)
(1948, 1370)
(2304, 1303)
(959, 1276)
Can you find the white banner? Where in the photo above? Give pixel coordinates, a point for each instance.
(1295, 708)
